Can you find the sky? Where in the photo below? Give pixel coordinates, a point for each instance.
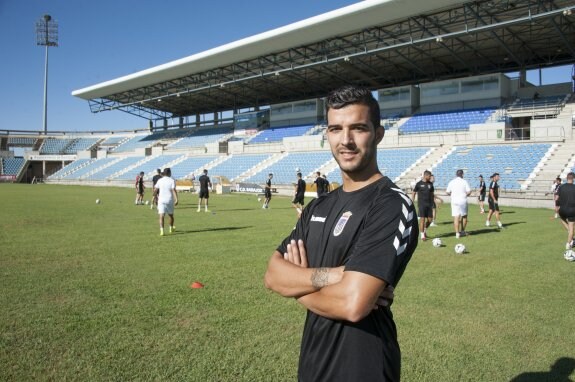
(103, 40)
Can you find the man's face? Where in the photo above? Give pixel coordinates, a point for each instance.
(426, 177)
(353, 139)
(496, 178)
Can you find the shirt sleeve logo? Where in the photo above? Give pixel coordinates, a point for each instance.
(341, 223)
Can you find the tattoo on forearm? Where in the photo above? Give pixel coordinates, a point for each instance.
(319, 277)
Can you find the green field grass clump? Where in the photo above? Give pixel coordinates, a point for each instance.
(92, 292)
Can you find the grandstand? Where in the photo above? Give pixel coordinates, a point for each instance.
(463, 113)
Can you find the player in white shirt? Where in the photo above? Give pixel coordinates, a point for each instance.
(459, 190)
(167, 198)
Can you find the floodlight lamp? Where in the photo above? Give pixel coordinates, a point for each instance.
(439, 39)
(567, 12)
(346, 58)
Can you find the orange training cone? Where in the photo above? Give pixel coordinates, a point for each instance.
(196, 285)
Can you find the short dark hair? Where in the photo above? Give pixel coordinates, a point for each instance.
(205, 171)
(354, 95)
(459, 173)
(427, 172)
(159, 171)
(141, 173)
(571, 175)
(167, 171)
(299, 174)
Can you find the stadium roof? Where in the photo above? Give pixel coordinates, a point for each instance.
(375, 43)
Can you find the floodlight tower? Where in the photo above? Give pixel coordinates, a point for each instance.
(46, 35)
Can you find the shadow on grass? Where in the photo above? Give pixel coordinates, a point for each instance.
(560, 371)
(482, 231)
(255, 208)
(210, 230)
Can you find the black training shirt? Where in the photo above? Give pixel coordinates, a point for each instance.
(566, 194)
(495, 187)
(424, 192)
(373, 231)
(204, 181)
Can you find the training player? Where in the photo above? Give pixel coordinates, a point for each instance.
(268, 191)
(167, 198)
(321, 184)
(482, 189)
(566, 196)
(299, 194)
(155, 179)
(327, 185)
(424, 191)
(205, 186)
(140, 188)
(459, 190)
(345, 250)
(493, 201)
(555, 190)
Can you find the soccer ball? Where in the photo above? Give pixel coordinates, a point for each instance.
(437, 242)
(569, 255)
(459, 248)
(97, 201)
(259, 199)
(147, 202)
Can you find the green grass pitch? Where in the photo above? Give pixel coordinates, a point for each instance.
(92, 292)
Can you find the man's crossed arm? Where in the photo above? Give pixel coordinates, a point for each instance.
(329, 292)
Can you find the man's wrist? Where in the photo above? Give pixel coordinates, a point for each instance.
(320, 277)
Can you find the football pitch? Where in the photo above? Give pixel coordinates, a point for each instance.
(91, 292)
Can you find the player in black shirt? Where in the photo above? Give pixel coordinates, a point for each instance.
(299, 193)
(205, 186)
(555, 190)
(482, 192)
(345, 252)
(155, 179)
(493, 201)
(566, 196)
(321, 184)
(425, 194)
(140, 188)
(268, 191)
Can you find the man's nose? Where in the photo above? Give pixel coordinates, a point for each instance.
(347, 137)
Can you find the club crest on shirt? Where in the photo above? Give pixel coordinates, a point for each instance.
(341, 223)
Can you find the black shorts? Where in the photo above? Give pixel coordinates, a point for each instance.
(298, 199)
(481, 197)
(434, 206)
(557, 204)
(567, 214)
(492, 205)
(425, 211)
(204, 194)
(140, 191)
(268, 193)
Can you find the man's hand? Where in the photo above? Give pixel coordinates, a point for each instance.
(296, 253)
(321, 277)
